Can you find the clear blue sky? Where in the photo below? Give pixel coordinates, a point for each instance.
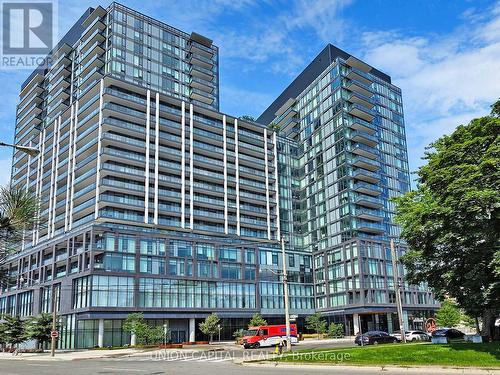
(444, 54)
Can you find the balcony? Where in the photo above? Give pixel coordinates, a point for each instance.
(35, 81)
(363, 100)
(362, 137)
(201, 84)
(358, 75)
(360, 88)
(365, 163)
(362, 125)
(201, 96)
(369, 227)
(200, 49)
(368, 201)
(364, 175)
(369, 214)
(199, 60)
(95, 49)
(364, 150)
(96, 61)
(361, 112)
(200, 72)
(365, 188)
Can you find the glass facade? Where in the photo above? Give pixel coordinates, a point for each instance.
(154, 201)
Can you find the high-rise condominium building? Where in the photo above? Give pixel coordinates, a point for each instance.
(343, 120)
(154, 201)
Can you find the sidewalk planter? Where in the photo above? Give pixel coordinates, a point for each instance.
(195, 343)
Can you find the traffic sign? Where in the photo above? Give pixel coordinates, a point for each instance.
(54, 334)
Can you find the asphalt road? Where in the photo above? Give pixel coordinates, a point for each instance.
(142, 367)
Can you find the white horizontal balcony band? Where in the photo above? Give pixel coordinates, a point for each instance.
(99, 142)
(183, 165)
(157, 153)
(191, 167)
(224, 135)
(146, 183)
(75, 135)
(237, 167)
(267, 186)
(276, 179)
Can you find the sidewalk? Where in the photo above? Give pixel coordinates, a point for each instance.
(342, 369)
(73, 355)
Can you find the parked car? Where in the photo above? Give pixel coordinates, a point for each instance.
(449, 333)
(375, 338)
(412, 335)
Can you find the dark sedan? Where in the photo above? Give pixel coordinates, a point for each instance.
(449, 333)
(374, 338)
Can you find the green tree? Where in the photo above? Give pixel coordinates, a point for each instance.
(451, 221)
(3, 335)
(257, 320)
(248, 118)
(155, 335)
(18, 211)
(273, 126)
(14, 330)
(210, 326)
(448, 315)
(336, 330)
(136, 325)
(238, 334)
(39, 328)
(316, 323)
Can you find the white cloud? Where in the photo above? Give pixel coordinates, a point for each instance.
(237, 98)
(323, 16)
(446, 80)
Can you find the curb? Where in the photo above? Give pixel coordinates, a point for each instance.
(371, 369)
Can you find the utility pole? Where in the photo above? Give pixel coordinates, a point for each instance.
(285, 287)
(53, 338)
(399, 306)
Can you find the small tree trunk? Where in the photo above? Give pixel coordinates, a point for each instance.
(488, 324)
(478, 330)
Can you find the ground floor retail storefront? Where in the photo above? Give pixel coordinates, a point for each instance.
(387, 321)
(88, 332)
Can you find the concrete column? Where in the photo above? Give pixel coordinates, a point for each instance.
(133, 339)
(100, 334)
(377, 321)
(390, 327)
(192, 329)
(355, 323)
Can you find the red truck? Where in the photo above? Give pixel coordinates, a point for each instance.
(255, 337)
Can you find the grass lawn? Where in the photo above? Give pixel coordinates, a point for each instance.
(422, 354)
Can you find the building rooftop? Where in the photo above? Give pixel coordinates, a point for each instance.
(326, 57)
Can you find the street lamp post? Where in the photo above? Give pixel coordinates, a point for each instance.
(399, 306)
(285, 291)
(32, 151)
